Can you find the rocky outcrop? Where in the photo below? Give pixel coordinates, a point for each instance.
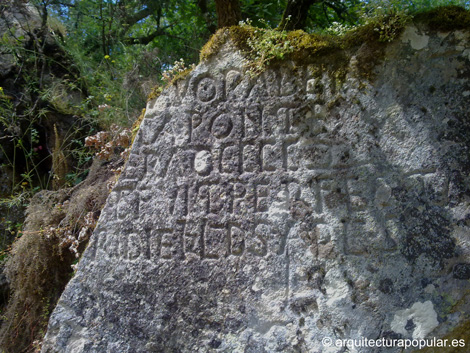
(39, 90)
(18, 21)
(285, 212)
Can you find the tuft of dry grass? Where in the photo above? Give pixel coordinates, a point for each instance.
(56, 231)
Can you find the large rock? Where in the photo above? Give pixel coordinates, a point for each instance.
(17, 20)
(32, 100)
(269, 214)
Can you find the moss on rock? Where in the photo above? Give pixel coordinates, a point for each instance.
(446, 18)
(307, 46)
(155, 93)
(366, 42)
(238, 34)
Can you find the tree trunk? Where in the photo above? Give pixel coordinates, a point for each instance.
(202, 4)
(295, 14)
(228, 12)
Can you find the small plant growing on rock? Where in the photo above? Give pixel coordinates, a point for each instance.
(391, 26)
(388, 19)
(266, 45)
(178, 71)
(179, 68)
(338, 29)
(107, 143)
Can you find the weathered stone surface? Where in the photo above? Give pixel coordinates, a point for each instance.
(264, 215)
(17, 20)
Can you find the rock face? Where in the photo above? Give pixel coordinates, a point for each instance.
(16, 20)
(35, 96)
(267, 214)
(26, 109)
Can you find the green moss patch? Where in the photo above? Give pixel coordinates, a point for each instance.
(367, 42)
(304, 48)
(446, 18)
(307, 46)
(238, 34)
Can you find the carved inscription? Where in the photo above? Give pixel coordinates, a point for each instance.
(215, 172)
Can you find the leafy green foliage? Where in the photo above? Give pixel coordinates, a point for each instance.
(123, 52)
(123, 47)
(410, 7)
(263, 14)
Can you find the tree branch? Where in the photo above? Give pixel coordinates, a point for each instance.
(146, 39)
(144, 13)
(295, 14)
